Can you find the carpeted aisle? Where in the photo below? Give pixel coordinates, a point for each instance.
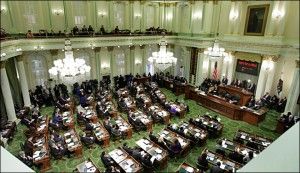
(265, 128)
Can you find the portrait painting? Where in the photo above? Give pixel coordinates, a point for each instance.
(256, 20)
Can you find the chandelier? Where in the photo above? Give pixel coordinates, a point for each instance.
(69, 67)
(162, 59)
(215, 51)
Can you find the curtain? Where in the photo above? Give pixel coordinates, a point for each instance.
(14, 82)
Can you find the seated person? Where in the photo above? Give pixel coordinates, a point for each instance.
(146, 160)
(137, 75)
(266, 99)
(88, 139)
(29, 34)
(106, 159)
(117, 30)
(251, 102)
(112, 169)
(175, 147)
(216, 168)
(258, 105)
(90, 29)
(281, 105)
(153, 137)
(248, 157)
(102, 30)
(252, 144)
(202, 163)
(84, 29)
(26, 159)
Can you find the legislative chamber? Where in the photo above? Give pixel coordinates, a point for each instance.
(149, 86)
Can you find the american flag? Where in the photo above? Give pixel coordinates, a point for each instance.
(215, 72)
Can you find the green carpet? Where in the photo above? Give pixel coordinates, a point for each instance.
(265, 128)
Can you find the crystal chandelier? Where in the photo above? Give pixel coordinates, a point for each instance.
(215, 51)
(162, 59)
(69, 67)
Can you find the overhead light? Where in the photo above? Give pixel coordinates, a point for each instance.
(118, 46)
(3, 54)
(215, 51)
(69, 67)
(162, 59)
(58, 11)
(18, 49)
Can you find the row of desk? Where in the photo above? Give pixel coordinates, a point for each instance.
(223, 107)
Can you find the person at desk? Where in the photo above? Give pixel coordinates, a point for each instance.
(102, 30)
(29, 34)
(106, 159)
(137, 75)
(258, 105)
(153, 137)
(144, 75)
(281, 105)
(75, 30)
(117, 30)
(202, 162)
(216, 168)
(84, 29)
(236, 156)
(88, 139)
(26, 159)
(148, 164)
(175, 147)
(248, 157)
(90, 29)
(266, 99)
(56, 120)
(252, 144)
(112, 169)
(251, 87)
(251, 102)
(224, 80)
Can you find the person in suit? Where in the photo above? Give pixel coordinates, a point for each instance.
(251, 102)
(248, 157)
(266, 98)
(137, 75)
(106, 159)
(224, 80)
(112, 169)
(146, 160)
(175, 147)
(281, 105)
(88, 139)
(202, 163)
(216, 168)
(252, 144)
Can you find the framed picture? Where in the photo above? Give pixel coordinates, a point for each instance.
(256, 20)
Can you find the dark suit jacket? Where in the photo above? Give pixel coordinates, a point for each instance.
(216, 169)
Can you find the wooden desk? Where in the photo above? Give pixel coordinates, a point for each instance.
(141, 80)
(89, 114)
(261, 141)
(176, 108)
(225, 108)
(143, 117)
(170, 136)
(73, 143)
(154, 150)
(41, 154)
(43, 126)
(174, 86)
(244, 95)
(100, 133)
(187, 168)
(280, 127)
(123, 159)
(68, 120)
(214, 127)
(124, 126)
(158, 111)
(233, 146)
(190, 132)
(146, 99)
(161, 96)
(254, 116)
(87, 166)
(226, 164)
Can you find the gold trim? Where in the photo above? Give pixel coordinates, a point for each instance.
(273, 58)
(262, 33)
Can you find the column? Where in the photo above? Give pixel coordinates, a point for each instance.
(270, 74)
(265, 78)
(291, 105)
(231, 67)
(23, 81)
(98, 62)
(112, 61)
(208, 15)
(200, 68)
(93, 65)
(8, 100)
(186, 58)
